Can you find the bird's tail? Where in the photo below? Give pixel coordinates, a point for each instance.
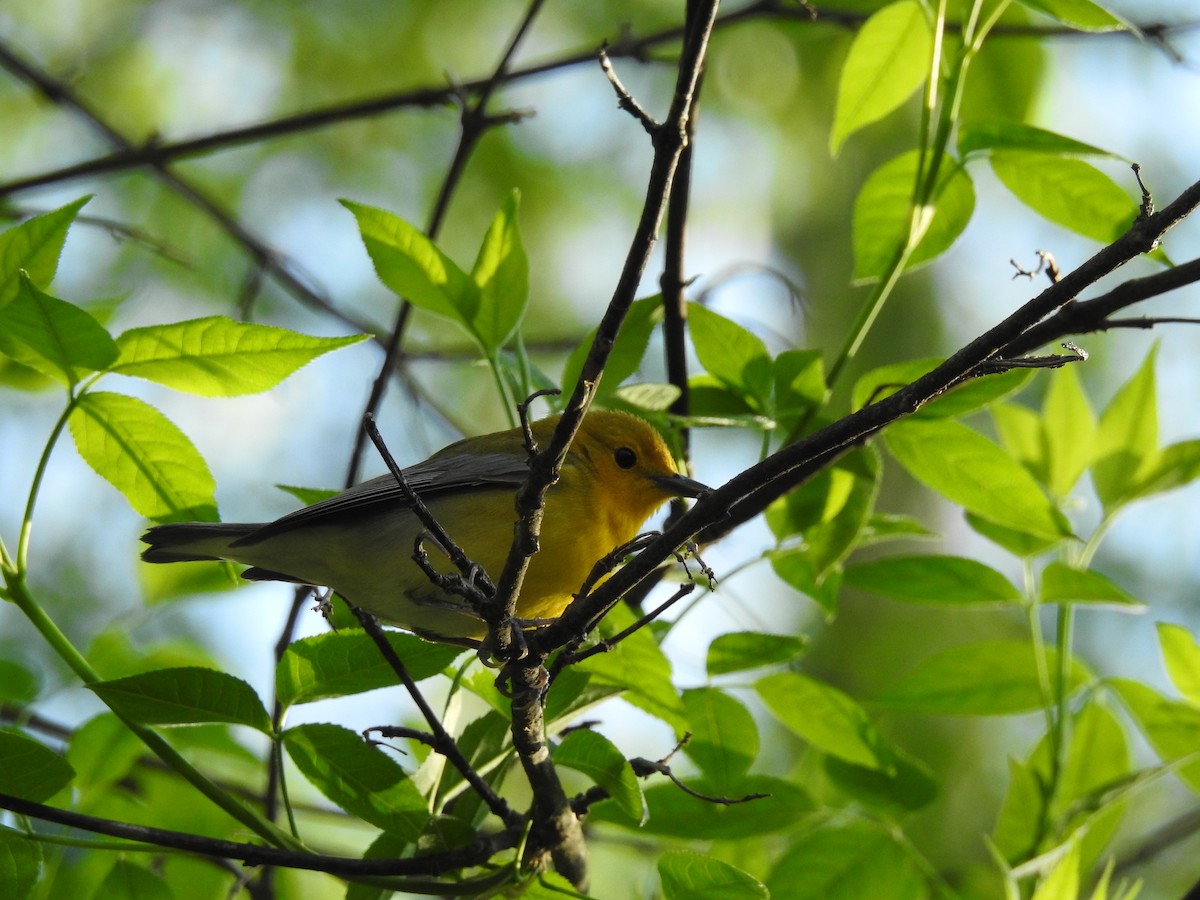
(191, 541)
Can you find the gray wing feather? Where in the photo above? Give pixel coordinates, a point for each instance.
(438, 475)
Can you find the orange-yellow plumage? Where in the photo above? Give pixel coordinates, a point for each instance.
(360, 542)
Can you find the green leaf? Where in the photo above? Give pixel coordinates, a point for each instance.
(218, 357)
(690, 876)
(34, 246)
(598, 758)
(340, 663)
(1015, 542)
(995, 134)
(502, 274)
(1062, 881)
(1096, 759)
(674, 813)
(56, 338)
(731, 354)
(17, 684)
(626, 354)
(1070, 431)
(1063, 584)
(797, 571)
(968, 469)
(888, 60)
(830, 511)
(141, 453)
(307, 496)
(29, 770)
(848, 862)
(414, 268)
(825, 717)
(1175, 466)
(127, 881)
(1082, 14)
(102, 752)
(882, 215)
(1172, 727)
(20, 863)
(933, 579)
(1127, 438)
(646, 396)
(184, 696)
(908, 786)
(1021, 434)
(724, 740)
(799, 386)
(986, 678)
(358, 777)
(1019, 822)
(742, 650)
(1068, 192)
(1181, 657)
(639, 668)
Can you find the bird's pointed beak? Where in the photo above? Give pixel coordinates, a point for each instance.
(681, 486)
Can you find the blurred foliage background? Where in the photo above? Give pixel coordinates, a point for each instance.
(768, 245)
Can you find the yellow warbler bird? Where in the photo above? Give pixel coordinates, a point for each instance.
(360, 542)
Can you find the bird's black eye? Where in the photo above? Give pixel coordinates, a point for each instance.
(625, 458)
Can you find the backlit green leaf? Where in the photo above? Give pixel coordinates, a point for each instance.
(55, 337)
(1063, 584)
(825, 717)
(627, 352)
(1069, 192)
(1126, 442)
(358, 777)
(724, 740)
(141, 453)
(34, 247)
(218, 357)
(412, 266)
(731, 354)
(1181, 657)
(340, 663)
(502, 274)
(888, 60)
(968, 469)
(998, 134)
(1082, 14)
(882, 215)
(597, 757)
(1172, 727)
(1070, 430)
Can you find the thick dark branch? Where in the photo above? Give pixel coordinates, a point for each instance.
(748, 493)
(475, 853)
(556, 830)
(670, 139)
(1082, 316)
(445, 743)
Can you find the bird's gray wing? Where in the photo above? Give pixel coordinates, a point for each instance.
(438, 475)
